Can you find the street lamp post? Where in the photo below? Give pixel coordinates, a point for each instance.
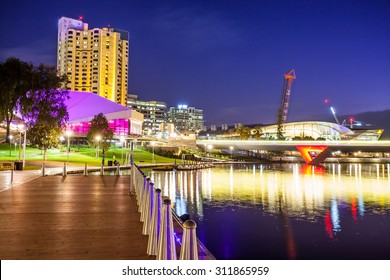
(20, 128)
(132, 151)
(122, 140)
(97, 147)
(24, 147)
(152, 143)
(10, 140)
(68, 133)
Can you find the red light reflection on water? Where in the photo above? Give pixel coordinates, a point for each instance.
(354, 209)
(328, 224)
(313, 169)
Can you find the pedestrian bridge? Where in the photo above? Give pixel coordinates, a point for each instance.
(313, 152)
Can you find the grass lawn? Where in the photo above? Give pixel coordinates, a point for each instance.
(79, 156)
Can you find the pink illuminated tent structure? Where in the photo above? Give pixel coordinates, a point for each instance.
(83, 106)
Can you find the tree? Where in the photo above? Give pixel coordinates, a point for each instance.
(308, 138)
(100, 127)
(43, 108)
(244, 132)
(257, 132)
(15, 81)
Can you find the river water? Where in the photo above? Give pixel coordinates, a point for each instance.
(286, 211)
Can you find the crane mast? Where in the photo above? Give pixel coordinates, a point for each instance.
(283, 109)
(333, 110)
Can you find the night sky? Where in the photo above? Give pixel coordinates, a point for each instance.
(229, 57)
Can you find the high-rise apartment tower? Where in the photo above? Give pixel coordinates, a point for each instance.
(186, 118)
(94, 60)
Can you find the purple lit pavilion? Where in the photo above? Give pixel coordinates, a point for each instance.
(83, 106)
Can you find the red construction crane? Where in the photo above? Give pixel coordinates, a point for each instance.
(283, 109)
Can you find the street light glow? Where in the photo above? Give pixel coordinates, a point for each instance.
(20, 127)
(10, 140)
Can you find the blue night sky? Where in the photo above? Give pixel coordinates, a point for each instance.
(229, 57)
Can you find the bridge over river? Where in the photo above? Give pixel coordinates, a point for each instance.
(313, 152)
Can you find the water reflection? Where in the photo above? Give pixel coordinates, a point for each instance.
(303, 198)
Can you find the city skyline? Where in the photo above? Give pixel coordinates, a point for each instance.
(229, 59)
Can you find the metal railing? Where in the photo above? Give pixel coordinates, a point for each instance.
(158, 218)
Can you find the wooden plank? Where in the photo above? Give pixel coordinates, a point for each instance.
(73, 218)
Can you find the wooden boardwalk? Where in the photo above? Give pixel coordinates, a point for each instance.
(71, 218)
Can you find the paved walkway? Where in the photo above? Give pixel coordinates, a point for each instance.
(73, 217)
(21, 177)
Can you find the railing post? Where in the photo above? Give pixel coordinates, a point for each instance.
(140, 180)
(43, 169)
(85, 170)
(155, 225)
(137, 183)
(102, 171)
(166, 243)
(144, 190)
(64, 171)
(117, 170)
(189, 246)
(12, 175)
(132, 180)
(148, 210)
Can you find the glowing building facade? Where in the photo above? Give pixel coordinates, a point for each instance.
(83, 106)
(94, 60)
(316, 130)
(155, 113)
(186, 118)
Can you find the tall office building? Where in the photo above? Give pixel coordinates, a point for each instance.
(155, 113)
(186, 118)
(94, 60)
